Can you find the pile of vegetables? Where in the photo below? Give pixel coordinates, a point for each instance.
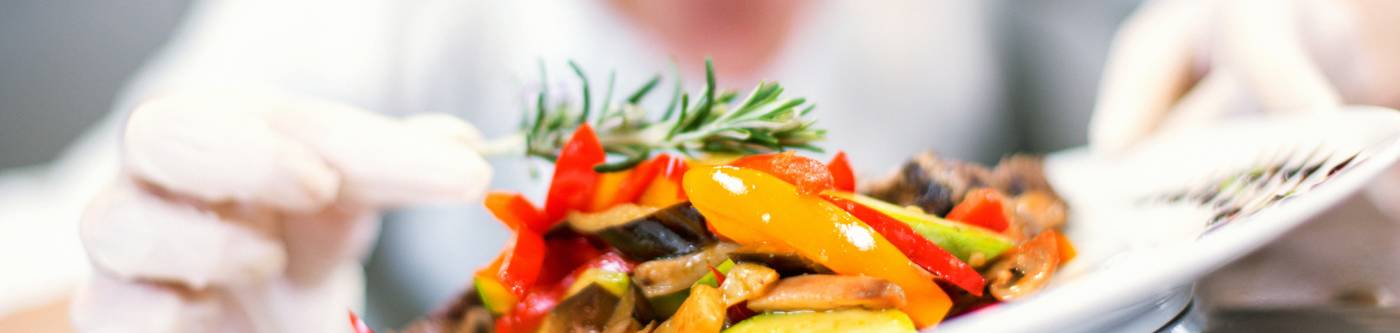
(758, 241)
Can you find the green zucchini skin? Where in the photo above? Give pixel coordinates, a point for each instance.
(827, 321)
(672, 231)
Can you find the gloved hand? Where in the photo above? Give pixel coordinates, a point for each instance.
(1177, 63)
(249, 212)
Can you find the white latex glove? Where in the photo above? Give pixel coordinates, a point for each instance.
(249, 212)
(1178, 63)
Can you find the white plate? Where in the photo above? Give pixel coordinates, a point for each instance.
(1138, 256)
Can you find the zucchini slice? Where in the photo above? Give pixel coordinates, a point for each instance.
(828, 321)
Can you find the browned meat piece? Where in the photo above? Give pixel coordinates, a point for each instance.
(827, 292)
(1035, 211)
(931, 183)
(1018, 174)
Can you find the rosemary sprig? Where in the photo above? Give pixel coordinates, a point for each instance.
(764, 121)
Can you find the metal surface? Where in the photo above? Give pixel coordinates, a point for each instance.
(1337, 273)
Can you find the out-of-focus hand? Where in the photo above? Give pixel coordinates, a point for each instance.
(1183, 62)
(1177, 63)
(249, 212)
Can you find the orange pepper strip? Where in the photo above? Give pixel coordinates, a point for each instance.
(1067, 251)
(736, 198)
(608, 191)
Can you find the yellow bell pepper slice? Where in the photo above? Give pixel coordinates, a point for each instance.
(755, 204)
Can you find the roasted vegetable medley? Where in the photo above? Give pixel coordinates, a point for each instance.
(708, 221)
(765, 242)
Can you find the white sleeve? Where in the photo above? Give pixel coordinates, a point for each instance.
(336, 49)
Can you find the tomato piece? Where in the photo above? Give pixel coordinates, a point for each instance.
(572, 186)
(514, 210)
(983, 208)
(809, 175)
(920, 250)
(843, 177)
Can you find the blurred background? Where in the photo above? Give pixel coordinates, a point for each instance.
(62, 64)
(65, 61)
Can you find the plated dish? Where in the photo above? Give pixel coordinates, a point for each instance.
(704, 220)
(710, 221)
(1140, 249)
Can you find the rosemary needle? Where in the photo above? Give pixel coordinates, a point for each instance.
(763, 121)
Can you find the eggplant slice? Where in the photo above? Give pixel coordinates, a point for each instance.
(668, 232)
(587, 311)
(787, 262)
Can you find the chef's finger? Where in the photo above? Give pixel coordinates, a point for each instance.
(319, 243)
(132, 233)
(390, 162)
(287, 306)
(217, 146)
(1262, 44)
(1209, 101)
(108, 304)
(1148, 68)
(446, 126)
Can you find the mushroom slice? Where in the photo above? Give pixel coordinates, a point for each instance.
(828, 292)
(746, 281)
(1025, 269)
(666, 276)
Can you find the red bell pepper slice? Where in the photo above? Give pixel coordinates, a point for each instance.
(574, 178)
(357, 325)
(515, 211)
(565, 254)
(842, 175)
(719, 277)
(920, 250)
(519, 265)
(809, 175)
(521, 262)
(983, 208)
